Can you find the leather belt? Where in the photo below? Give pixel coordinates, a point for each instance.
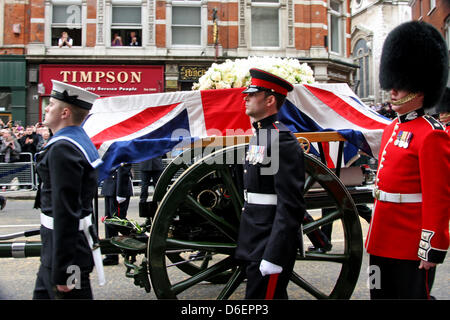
(84, 225)
(260, 198)
(397, 197)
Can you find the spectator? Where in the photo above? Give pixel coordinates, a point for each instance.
(133, 39)
(65, 40)
(117, 41)
(9, 147)
(45, 133)
(134, 42)
(29, 141)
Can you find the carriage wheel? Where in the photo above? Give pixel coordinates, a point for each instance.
(188, 261)
(182, 201)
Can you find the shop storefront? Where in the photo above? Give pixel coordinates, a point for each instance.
(104, 80)
(13, 88)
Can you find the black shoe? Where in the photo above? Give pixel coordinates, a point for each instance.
(110, 261)
(325, 249)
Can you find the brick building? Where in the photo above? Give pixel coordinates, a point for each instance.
(435, 12)
(177, 41)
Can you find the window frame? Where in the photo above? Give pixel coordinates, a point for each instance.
(53, 40)
(203, 23)
(256, 4)
(341, 27)
(363, 53)
(123, 28)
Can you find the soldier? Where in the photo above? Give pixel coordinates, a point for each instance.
(273, 180)
(117, 189)
(66, 168)
(408, 234)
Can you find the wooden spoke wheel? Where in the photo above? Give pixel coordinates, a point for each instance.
(197, 221)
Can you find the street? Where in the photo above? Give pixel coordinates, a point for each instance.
(17, 276)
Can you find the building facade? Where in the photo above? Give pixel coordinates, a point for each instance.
(177, 41)
(372, 20)
(435, 12)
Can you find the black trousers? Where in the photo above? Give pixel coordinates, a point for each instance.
(269, 286)
(146, 181)
(45, 289)
(399, 279)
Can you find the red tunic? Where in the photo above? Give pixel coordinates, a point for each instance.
(419, 229)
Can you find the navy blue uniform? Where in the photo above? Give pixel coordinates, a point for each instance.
(68, 185)
(274, 178)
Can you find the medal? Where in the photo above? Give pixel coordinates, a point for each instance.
(402, 142)
(408, 140)
(397, 140)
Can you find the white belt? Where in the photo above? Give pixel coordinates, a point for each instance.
(397, 197)
(260, 198)
(47, 222)
(84, 225)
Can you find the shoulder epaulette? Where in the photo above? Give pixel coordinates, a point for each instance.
(435, 124)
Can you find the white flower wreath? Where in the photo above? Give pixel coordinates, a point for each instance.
(235, 74)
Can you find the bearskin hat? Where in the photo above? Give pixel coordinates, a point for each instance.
(444, 104)
(415, 58)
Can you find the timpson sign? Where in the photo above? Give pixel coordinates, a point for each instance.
(104, 80)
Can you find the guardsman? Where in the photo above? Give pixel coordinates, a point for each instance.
(274, 206)
(68, 184)
(117, 189)
(408, 234)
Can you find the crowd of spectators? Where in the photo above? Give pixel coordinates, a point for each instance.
(385, 109)
(16, 139)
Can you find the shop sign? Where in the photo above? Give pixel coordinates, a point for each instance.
(104, 80)
(192, 73)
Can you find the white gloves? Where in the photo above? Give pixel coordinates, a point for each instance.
(120, 199)
(267, 267)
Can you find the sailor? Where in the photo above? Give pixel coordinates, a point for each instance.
(409, 231)
(274, 177)
(68, 183)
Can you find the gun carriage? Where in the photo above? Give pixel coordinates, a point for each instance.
(192, 221)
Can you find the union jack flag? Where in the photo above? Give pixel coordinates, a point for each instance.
(135, 128)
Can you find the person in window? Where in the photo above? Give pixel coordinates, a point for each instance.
(65, 40)
(134, 42)
(117, 41)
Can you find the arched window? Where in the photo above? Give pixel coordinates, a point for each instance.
(361, 58)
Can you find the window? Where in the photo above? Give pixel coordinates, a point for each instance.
(186, 23)
(361, 54)
(126, 24)
(265, 25)
(66, 18)
(335, 28)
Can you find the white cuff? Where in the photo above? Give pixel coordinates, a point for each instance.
(120, 199)
(267, 267)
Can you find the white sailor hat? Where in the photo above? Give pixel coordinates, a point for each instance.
(73, 95)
